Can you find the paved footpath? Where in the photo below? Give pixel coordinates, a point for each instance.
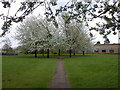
(60, 78)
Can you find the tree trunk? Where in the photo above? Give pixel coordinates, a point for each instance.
(83, 53)
(74, 53)
(70, 52)
(47, 53)
(35, 53)
(43, 52)
(59, 53)
(35, 49)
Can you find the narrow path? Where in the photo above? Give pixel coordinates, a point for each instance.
(60, 78)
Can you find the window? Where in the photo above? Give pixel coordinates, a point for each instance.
(103, 50)
(111, 51)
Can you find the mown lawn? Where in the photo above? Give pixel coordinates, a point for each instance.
(92, 71)
(89, 71)
(25, 71)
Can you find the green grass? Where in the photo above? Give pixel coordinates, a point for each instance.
(25, 71)
(89, 71)
(93, 71)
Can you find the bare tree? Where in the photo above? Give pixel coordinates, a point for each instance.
(7, 49)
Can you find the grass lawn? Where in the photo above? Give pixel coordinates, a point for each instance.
(92, 71)
(25, 71)
(89, 71)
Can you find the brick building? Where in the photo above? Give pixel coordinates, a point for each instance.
(107, 48)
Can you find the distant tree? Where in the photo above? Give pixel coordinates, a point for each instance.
(7, 50)
(77, 37)
(107, 41)
(7, 41)
(35, 33)
(23, 49)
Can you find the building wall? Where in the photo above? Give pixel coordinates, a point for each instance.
(107, 48)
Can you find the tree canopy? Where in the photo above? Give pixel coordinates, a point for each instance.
(105, 11)
(34, 33)
(7, 49)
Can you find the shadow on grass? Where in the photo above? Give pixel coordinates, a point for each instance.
(54, 56)
(63, 56)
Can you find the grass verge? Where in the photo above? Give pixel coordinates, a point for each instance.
(93, 71)
(25, 71)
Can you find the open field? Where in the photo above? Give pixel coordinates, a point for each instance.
(93, 71)
(89, 71)
(27, 71)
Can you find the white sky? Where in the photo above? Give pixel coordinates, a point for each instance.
(40, 10)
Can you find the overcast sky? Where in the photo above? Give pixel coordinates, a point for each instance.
(40, 10)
